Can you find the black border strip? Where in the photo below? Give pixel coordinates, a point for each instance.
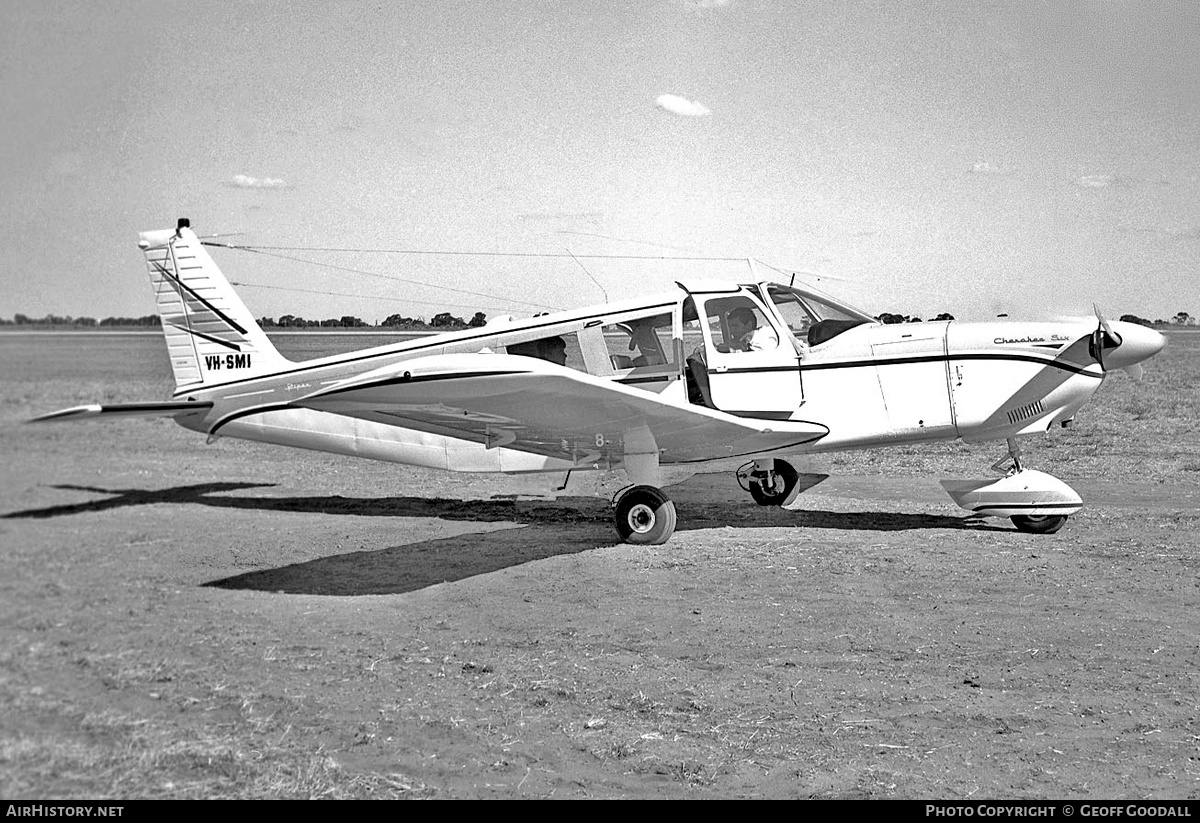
(162, 269)
(208, 337)
(1027, 506)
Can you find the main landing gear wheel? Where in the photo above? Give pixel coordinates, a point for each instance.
(774, 488)
(645, 516)
(1038, 523)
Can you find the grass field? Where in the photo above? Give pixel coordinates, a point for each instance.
(182, 620)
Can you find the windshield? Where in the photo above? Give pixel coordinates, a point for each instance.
(813, 318)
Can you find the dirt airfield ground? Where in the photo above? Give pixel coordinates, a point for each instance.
(235, 620)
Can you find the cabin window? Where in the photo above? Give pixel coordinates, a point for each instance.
(645, 341)
(562, 349)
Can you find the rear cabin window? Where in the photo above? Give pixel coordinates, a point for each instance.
(638, 343)
(562, 349)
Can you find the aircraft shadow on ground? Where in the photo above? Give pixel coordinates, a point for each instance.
(561, 527)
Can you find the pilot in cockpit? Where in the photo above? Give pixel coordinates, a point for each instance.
(745, 334)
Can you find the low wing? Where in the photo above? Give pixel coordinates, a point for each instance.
(170, 408)
(539, 407)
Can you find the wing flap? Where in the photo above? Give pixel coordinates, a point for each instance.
(539, 407)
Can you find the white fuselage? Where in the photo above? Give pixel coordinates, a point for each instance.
(869, 385)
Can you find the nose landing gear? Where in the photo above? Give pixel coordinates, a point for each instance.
(1034, 501)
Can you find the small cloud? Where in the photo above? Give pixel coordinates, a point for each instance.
(245, 181)
(681, 106)
(984, 167)
(1096, 181)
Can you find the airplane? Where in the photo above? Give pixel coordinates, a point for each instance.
(711, 376)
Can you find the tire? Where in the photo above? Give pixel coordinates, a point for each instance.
(1038, 523)
(645, 516)
(787, 478)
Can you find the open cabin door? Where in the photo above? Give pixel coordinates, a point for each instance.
(737, 360)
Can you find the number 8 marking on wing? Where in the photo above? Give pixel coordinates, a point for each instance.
(600, 441)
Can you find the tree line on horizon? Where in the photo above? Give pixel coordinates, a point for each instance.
(443, 321)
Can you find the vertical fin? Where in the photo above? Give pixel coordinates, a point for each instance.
(211, 335)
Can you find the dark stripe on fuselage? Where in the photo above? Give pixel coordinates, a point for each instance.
(937, 358)
(802, 367)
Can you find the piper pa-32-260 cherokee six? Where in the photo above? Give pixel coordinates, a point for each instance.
(711, 376)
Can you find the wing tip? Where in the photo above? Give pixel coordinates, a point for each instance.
(63, 414)
(170, 408)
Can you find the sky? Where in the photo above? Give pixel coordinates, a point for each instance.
(1028, 158)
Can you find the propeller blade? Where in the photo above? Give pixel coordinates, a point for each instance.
(1103, 338)
(1135, 371)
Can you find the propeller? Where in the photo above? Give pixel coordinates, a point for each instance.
(1124, 347)
(1103, 337)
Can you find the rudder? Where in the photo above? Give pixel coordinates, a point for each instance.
(211, 335)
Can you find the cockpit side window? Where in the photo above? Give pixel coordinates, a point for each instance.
(734, 324)
(796, 315)
(813, 319)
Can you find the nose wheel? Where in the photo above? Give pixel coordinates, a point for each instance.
(644, 516)
(1038, 523)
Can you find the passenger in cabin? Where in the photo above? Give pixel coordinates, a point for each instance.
(551, 349)
(745, 332)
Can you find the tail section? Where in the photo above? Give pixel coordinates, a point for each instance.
(211, 336)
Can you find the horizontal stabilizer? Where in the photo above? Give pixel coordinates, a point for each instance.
(163, 409)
